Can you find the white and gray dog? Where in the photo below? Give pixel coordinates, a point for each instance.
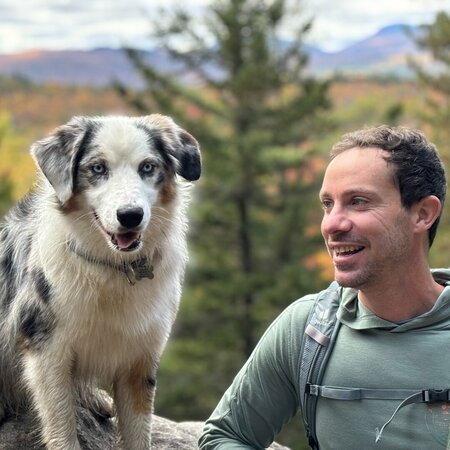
(91, 266)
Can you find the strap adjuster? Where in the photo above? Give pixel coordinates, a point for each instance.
(312, 389)
(435, 395)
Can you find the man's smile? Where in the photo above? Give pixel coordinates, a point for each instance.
(347, 250)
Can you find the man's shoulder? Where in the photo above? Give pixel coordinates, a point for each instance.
(300, 307)
(303, 305)
(291, 323)
(296, 313)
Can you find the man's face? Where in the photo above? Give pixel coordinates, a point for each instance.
(367, 231)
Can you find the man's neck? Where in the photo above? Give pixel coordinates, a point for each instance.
(402, 299)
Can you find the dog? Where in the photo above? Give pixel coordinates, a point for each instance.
(91, 267)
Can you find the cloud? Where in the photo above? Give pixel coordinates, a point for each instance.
(340, 23)
(57, 24)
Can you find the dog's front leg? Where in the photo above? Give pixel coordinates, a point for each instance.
(48, 376)
(134, 391)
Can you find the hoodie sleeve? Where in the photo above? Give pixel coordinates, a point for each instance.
(264, 395)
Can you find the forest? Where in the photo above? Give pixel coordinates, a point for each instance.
(265, 130)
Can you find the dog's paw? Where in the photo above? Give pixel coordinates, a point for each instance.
(102, 405)
(99, 403)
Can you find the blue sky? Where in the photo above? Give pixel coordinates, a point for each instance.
(84, 24)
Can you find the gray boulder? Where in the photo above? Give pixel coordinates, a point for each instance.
(98, 433)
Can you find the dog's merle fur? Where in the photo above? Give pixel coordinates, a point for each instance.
(108, 194)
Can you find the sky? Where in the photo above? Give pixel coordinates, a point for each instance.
(84, 24)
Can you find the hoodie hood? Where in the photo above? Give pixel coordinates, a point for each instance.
(355, 315)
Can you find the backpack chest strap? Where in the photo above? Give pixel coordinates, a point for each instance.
(347, 393)
(408, 397)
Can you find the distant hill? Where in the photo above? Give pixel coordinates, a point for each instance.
(97, 67)
(384, 53)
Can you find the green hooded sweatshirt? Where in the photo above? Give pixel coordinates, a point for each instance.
(369, 352)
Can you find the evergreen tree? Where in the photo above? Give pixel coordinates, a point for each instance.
(255, 111)
(436, 39)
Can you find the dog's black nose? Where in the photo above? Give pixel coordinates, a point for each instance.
(130, 217)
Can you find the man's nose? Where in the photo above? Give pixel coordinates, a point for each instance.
(335, 221)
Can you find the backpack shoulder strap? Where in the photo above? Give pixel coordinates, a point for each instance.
(320, 332)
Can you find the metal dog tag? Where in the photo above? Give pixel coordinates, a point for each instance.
(138, 270)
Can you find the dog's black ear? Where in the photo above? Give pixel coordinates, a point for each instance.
(177, 143)
(58, 154)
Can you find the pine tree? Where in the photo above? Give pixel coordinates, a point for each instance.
(436, 39)
(255, 111)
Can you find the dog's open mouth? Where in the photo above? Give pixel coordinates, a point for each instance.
(126, 242)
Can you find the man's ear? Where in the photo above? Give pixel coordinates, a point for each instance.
(177, 143)
(58, 154)
(426, 211)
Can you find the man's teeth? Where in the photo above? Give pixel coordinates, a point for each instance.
(347, 249)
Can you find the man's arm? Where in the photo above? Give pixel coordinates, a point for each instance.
(264, 395)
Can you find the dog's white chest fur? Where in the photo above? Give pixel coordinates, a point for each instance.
(109, 323)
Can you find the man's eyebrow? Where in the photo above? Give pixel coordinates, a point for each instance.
(350, 192)
(360, 191)
(323, 194)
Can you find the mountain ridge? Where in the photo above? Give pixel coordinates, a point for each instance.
(387, 52)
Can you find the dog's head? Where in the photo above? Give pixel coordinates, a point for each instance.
(120, 166)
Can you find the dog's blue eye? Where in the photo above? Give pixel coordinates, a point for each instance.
(147, 168)
(99, 169)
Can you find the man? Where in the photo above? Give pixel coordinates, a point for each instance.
(382, 197)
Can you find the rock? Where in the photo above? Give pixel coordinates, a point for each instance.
(168, 435)
(95, 433)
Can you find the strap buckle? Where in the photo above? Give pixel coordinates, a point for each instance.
(435, 395)
(312, 389)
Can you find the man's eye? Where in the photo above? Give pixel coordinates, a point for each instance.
(327, 204)
(99, 169)
(359, 201)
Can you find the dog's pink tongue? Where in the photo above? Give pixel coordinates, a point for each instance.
(124, 240)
